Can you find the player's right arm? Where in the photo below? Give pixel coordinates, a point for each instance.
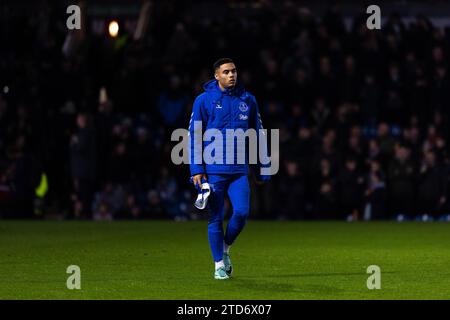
(198, 116)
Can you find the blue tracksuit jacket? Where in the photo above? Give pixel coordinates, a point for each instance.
(229, 109)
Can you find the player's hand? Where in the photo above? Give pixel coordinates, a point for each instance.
(197, 179)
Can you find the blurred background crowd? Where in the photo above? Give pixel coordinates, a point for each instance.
(363, 114)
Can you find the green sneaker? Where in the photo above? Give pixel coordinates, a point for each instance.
(227, 263)
(220, 274)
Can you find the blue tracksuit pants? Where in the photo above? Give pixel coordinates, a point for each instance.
(237, 187)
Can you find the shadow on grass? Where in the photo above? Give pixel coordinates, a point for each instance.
(261, 283)
(305, 275)
(271, 289)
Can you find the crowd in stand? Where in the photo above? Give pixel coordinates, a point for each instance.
(363, 114)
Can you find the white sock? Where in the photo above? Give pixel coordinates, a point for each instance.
(219, 264)
(226, 248)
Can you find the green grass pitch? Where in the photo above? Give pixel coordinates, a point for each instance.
(272, 260)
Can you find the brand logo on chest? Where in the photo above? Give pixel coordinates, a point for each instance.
(217, 104)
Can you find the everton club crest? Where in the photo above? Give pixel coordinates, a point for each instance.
(243, 107)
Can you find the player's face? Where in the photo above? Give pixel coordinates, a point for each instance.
(226, 75)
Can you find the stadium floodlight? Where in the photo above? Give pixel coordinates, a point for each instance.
(113, 28)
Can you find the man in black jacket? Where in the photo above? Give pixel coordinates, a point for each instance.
(401, 175)
(351, 189)
(82, 156)
(432, 186)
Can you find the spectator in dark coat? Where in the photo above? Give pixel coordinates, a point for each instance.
(432, 185)
(120, 164)
(351, 186)
(387, 143)
(370, 95)
(401, 175)
(172, 103)
(292, 191)
(375, 197)
(326, 195)
(83, 166)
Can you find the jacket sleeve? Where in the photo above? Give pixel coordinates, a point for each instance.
(197, 125)
(256, 123)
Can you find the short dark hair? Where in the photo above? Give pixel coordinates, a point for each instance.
(220, 62)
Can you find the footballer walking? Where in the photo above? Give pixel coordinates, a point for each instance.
(224, 104)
